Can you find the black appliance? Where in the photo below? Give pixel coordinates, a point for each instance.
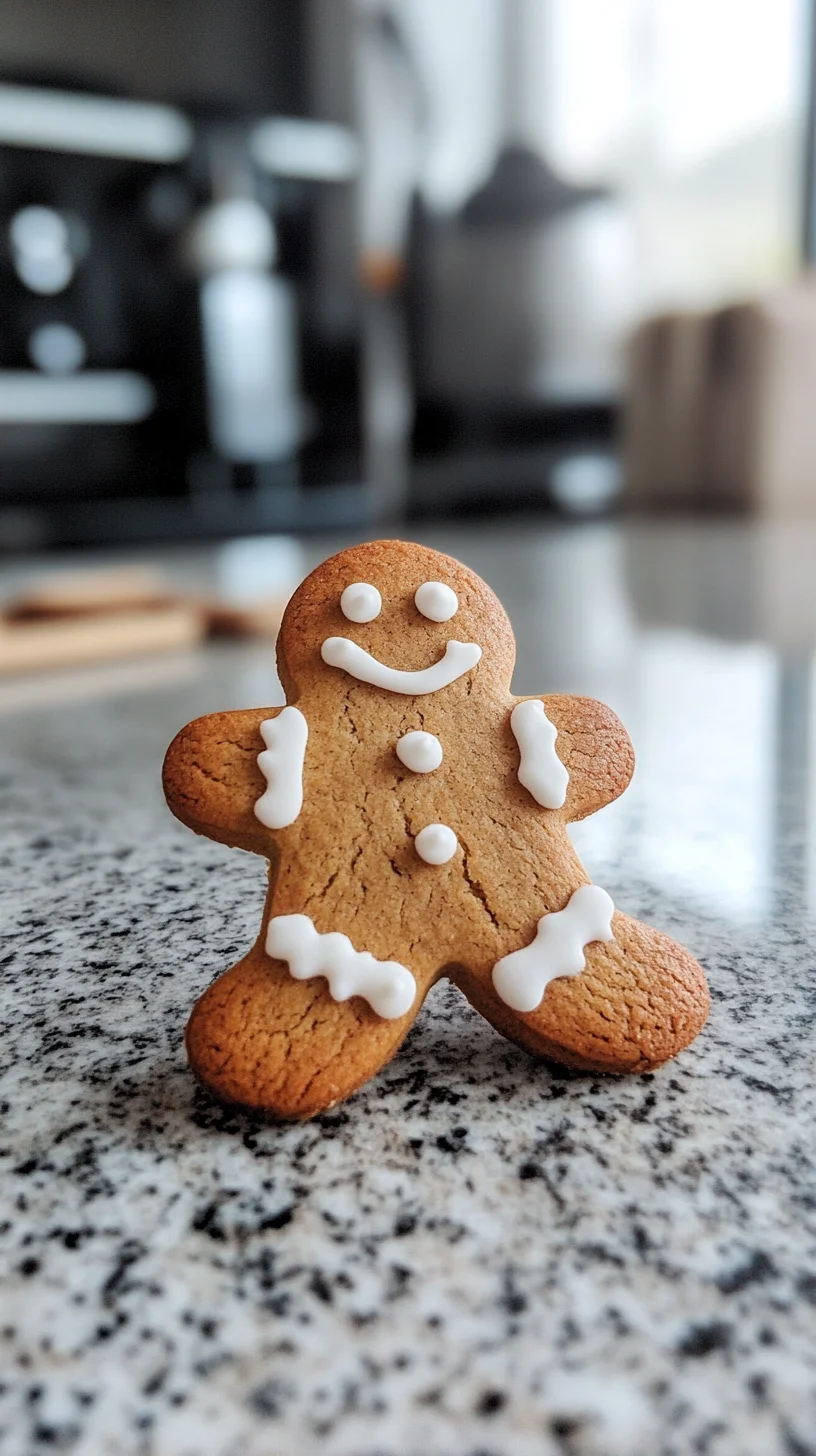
(165, 369)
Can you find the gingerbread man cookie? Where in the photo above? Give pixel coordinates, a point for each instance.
(414, 815)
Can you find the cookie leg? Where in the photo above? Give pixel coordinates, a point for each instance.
(639, 1001)
(283, 1048)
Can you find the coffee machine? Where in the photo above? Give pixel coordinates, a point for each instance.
(168, 364)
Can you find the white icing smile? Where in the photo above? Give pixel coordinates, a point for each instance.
(459, 658)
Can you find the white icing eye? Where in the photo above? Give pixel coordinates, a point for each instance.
(436, 601)
(361, 602)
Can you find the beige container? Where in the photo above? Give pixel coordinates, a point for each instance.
(759, 432)
(721, 408)
(663, 418)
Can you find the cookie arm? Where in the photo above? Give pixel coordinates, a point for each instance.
(595, 749)
(211, 777)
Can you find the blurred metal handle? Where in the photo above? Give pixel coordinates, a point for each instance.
(99, 126)
(312, 151)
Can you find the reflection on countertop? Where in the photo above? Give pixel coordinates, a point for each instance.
(476, 1252)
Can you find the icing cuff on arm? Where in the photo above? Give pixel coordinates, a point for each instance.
(281, 764)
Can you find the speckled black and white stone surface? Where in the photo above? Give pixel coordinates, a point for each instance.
(474, 1256)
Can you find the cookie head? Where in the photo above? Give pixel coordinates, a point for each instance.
(399, 618)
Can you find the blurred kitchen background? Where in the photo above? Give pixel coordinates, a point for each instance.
(335, 263)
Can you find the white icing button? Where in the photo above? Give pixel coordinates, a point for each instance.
(521, 978)
(436, 601)
(420, 752)
(436, 844)
(388, 987)
(350, 657)
(540, 770)
(281, 764)
(361, 602)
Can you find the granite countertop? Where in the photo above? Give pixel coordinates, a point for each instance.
(475, 1256)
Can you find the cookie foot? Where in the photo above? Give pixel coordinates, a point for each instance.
(640, 1000)
(279, 1047)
